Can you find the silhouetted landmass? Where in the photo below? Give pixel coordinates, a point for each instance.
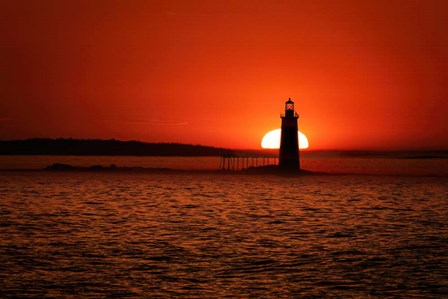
(275, 169)
(112, 167)
(269, 169)
(112, 147)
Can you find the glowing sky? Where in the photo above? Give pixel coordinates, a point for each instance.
(363, 74)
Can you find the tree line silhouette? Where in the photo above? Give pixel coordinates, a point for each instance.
(111, 147)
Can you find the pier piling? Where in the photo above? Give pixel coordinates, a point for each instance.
(234, 162)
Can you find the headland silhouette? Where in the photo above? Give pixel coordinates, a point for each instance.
(110, 147)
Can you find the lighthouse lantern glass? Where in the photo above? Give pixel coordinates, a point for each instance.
(289, 106)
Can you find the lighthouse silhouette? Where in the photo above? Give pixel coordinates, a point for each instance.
(289, 142)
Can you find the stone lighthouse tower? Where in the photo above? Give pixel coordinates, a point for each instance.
(289, 142)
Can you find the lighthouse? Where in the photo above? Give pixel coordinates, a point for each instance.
(289, 142)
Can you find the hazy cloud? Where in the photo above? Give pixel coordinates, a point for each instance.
(148, 122)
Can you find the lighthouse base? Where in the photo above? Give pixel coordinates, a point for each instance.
(289, 164)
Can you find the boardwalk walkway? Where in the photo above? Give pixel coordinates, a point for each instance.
(243, 161)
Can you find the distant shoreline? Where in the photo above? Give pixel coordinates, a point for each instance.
(113, 147)
(59, 168)
(97, 147)
(270, 169)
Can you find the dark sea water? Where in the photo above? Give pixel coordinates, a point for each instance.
(205, 235)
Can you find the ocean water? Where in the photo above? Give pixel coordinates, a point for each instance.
(203, 235)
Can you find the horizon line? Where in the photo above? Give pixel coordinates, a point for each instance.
(229, 148)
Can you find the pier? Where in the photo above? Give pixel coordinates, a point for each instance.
(244, 161)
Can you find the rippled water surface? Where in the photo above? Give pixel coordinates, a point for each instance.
(81, 234)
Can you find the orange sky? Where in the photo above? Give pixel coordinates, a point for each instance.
(363, 74)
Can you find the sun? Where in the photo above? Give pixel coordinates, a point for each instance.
(272, 140)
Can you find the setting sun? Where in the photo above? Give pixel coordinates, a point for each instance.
(272, 140)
